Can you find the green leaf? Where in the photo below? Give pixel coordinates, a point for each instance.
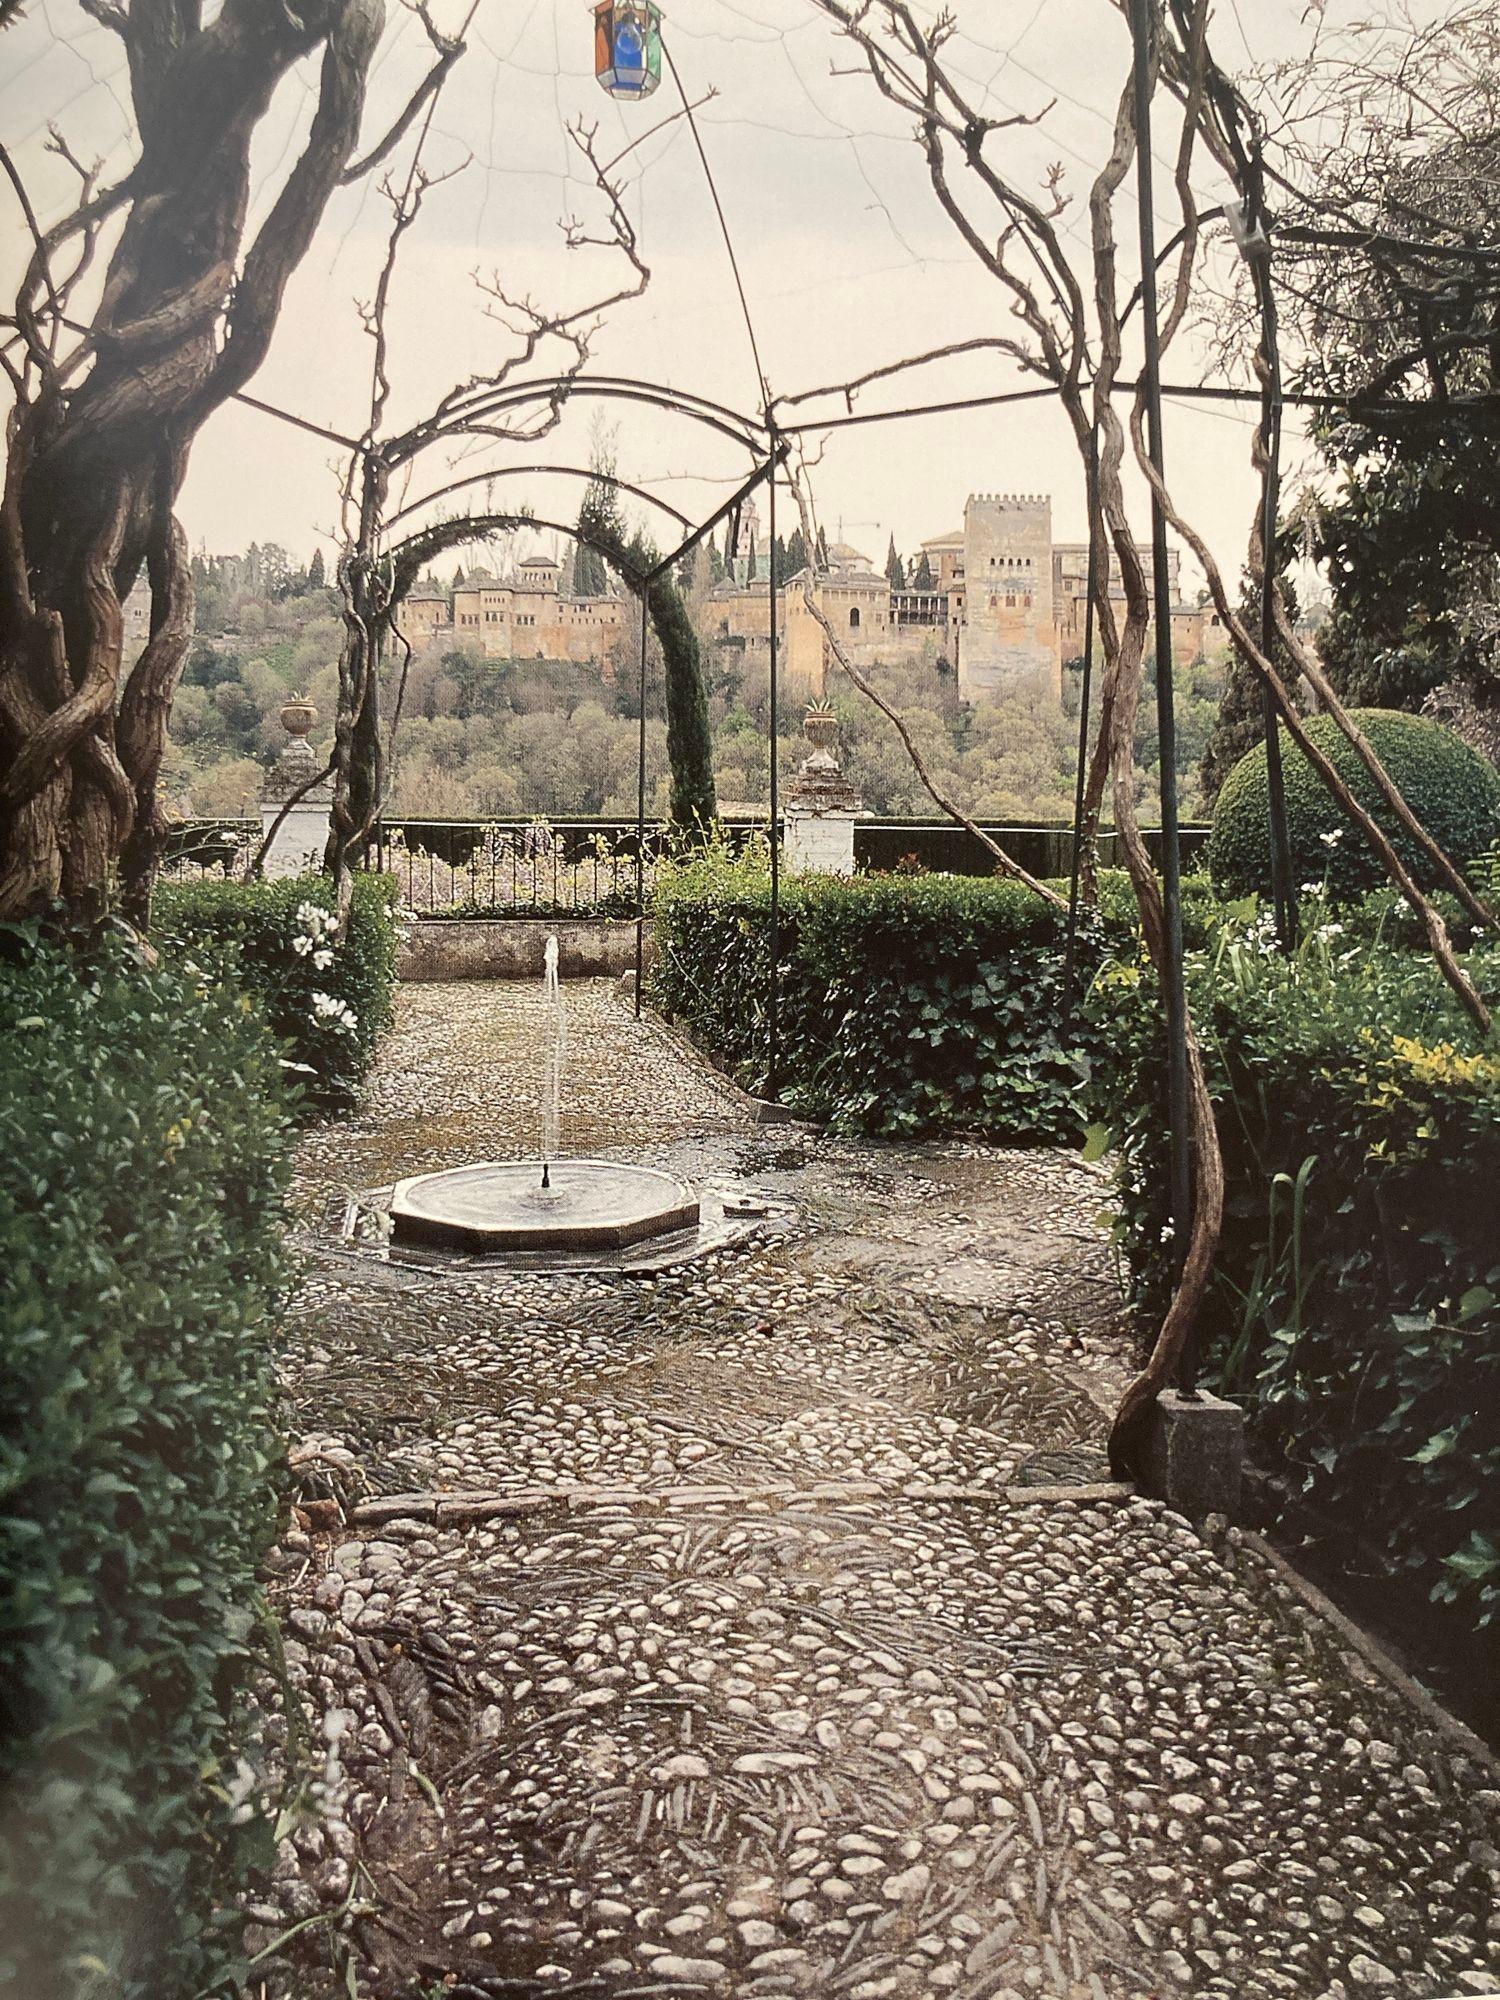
(1097, 1141)
(1436, 1447)
(1478, 1559)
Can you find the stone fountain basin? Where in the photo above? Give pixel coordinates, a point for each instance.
(499, 1205)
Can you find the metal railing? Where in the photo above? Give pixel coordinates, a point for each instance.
(548, 867)
(516, 867)
(209, 849)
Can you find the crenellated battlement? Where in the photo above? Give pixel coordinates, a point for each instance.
(1010, 502)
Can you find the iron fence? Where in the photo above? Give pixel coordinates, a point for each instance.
(456, 867)
(516, 867)
(208, 848)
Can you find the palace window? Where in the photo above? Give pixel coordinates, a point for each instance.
(854, 618)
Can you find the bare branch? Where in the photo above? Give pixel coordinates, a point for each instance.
(426, 92)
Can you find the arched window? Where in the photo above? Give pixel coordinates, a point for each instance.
(854, 618)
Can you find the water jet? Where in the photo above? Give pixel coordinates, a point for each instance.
(548, 1204)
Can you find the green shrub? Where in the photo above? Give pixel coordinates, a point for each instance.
(143, 1149)
(1451, 788)
(328, 1002)
(908, 1004)
(1354, 1309)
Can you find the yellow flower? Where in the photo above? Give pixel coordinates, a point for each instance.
(1442, 1063)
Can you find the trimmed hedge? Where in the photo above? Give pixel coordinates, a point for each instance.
(909, 1004)
(329, 1003)
(143, 1156)
(1356, 1307)
(1451, 788)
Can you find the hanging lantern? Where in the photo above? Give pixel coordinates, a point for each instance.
(627, 46)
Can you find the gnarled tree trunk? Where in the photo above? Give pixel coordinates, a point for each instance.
(99, 441)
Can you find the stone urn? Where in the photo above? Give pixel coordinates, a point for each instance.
(298, 716)
(820, 726)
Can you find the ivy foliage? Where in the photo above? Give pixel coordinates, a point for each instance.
(143, 1156)
(689, 738)
(328, 1002)
(908, 1004)
(1355, 1310)
(1454, 792)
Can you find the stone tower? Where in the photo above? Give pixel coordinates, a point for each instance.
(1008, 638)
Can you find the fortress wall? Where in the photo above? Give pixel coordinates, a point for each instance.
(1009, 635)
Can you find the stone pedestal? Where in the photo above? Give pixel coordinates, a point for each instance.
(303, 834)
(820, 806)
(1195, 1449)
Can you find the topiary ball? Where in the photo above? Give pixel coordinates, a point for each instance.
(1452, 789)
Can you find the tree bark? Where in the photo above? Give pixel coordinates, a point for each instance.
(93, 469)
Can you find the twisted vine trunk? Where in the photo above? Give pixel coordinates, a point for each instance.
(690, 749)
(94, 465)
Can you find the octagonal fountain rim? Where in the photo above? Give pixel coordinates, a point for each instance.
(570, 1204)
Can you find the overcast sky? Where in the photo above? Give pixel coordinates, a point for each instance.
(847, 260)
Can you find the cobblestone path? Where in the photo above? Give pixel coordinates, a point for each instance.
(746, 1640)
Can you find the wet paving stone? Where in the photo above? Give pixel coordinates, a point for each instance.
(721, 1688)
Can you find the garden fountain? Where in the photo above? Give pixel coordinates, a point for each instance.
(547, 1204)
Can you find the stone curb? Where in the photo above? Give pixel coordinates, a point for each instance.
(757, 1110)
(464, 1510)
(1373, 1654)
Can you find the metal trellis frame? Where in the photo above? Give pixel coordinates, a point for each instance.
(1173, 983)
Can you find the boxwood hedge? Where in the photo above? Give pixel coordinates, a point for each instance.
(329, 1002)
(143, 1150)
(1452, 789)
(908, 1004)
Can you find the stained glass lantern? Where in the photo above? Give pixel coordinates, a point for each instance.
(627, 46)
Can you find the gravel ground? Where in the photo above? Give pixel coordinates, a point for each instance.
(755, 1667)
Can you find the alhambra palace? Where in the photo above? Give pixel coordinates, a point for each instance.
(1006, 606)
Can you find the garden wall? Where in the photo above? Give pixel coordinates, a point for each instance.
(446, 948)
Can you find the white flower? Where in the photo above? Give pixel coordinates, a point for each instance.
(1332, 839)
(330, 1013)
(322, 958)
(302, 946)
(240, 1791)
(1310, 889)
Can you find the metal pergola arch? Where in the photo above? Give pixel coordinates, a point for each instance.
(768, 452)
(537, 471)
(766, 440)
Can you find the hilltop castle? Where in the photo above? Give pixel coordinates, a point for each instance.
(1006, 605)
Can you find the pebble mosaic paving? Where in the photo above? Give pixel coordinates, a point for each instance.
(727, 1651)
